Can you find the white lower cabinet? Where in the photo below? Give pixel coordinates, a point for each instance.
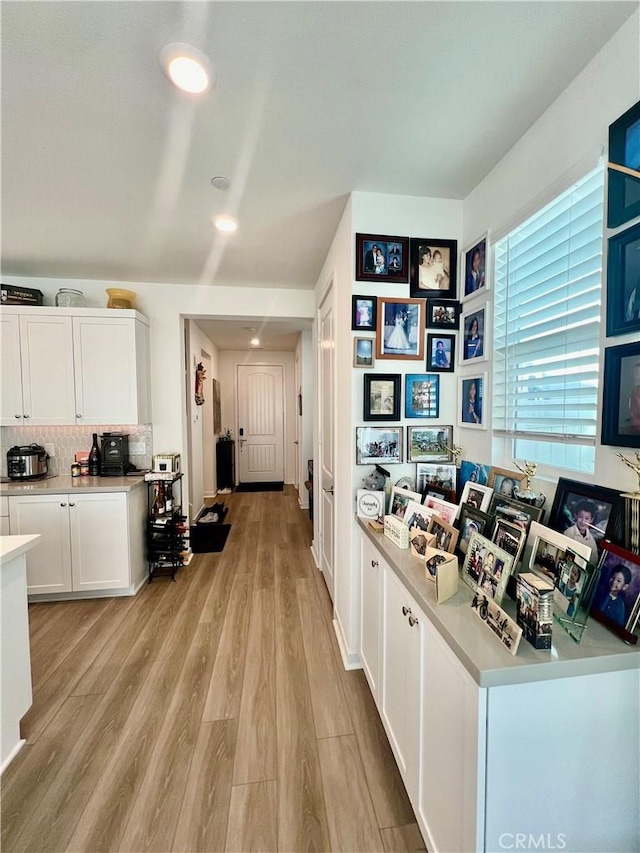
(371, 570)
(399, 704)
(86, 541)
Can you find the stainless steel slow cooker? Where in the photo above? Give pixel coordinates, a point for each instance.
(27, 462)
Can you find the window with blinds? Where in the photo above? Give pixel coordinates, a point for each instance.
(548, 277)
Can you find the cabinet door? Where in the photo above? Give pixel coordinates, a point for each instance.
(99, 540)
(451, 799)
(370, 615)
(12, 408)
(106, 375)
(46, 353)
(400, 707)
(49, 562)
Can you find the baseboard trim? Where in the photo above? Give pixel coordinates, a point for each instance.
(314, 555)
(16, 749)
(349, 661)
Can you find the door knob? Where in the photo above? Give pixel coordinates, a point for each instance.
(406, 610)
(413, 621)
(328, 491)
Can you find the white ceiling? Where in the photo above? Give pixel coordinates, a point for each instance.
(235, 334)
(106, 170)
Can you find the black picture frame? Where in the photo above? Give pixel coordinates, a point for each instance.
(364, 313)
(513, 510)
(623, 282)
(430, 277)
(442, 314)
(382, 396)
(469, 521)
(621, 396)
(437, 362)
(395, 258)
(623, 191)
(574, 499)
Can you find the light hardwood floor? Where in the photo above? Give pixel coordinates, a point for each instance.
(209, 714)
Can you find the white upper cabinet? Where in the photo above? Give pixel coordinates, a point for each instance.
(12, 413)
(46, 357)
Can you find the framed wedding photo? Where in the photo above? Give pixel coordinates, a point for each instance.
(474, 342)
(623, 191)
(441, 351)
(472, 401)
(382, 397)
(433, 265)
(621, 396)
(623, 282)
(422, 395)
(363, 352)
(429, 444)
(474, 269)
(375, 445)
(363, 313)
(400, 332)
(380, 258)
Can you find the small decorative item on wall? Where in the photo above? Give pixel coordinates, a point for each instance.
(380, 258)
(363, 313)
(624, 168)
(441, 353)
(433, 267)
(474, 268)
(442, 315)
(400, 332)
(363, 352)
(474, 341)
(623, 282)
(621, 396)
(472, 402)
(375, 445)
(422, 395)
(382, 397)
(201, 375)
(429, 444)
(585, 514)
(217, 418)
(616, 602)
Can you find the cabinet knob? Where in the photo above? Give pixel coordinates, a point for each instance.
(17, 416)
(25, 416)
(413, 621)
(406, 610)
(62, 504)
(78, 416)
(374, 564)
(71, 504)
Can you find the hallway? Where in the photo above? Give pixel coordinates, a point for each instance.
(209, 714)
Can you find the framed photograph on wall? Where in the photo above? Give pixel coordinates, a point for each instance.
(441, 353)
(421, 395)
(623, 282)
(381, 258)
(363, 313)
(621, 396)
(429, 444)
(442, 315)
(400, 330)
(377, 445)
(474, 272)
(433, 265)
(381, 397)
(623, 192)
(474, 342)
(363, 352)
(472, 401)
(586, 514)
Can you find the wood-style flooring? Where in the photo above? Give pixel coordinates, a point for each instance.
(209, 714)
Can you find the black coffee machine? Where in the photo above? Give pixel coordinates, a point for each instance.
(115, 454)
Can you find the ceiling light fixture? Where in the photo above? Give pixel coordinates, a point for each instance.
(187, 68)
(255, 342)
(226, 223)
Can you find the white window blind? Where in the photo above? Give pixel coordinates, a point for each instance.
(548, 275)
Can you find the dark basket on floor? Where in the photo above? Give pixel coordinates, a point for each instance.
(208, 537)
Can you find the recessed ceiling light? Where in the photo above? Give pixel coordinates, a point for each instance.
(255, 342)
(187, 68)
(221, 183)
(226, 223)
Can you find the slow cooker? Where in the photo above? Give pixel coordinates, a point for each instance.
(27, 462)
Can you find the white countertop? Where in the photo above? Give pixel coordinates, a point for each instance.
(484, 657)
(64, 484)
(12, 546)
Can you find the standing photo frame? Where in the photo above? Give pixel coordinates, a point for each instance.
(471, 521)
(474, 269)
(586, 514)
(472, 402)
(400, 328)
(623, 191)
(429, 444)
(433, 267)
(441, 353)
(421, 395)
(381, 258)
(486, 567)
(623, 282)
(621, 396)
(616, 603)
(364, 313)
(474, 343)
(436, 475)
(381, 396)
(400, 500)
(476, 496)
(505, 482)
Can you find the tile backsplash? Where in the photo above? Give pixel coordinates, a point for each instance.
(67, 440)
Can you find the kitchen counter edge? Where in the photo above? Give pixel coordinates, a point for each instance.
(63, 484)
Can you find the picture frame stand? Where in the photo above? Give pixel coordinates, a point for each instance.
(631, 534)
(575, 624)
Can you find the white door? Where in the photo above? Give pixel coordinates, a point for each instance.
(12, 409)
(261, 423)
(326, 429)
(46, 352)
(49, 562)
(99, 543)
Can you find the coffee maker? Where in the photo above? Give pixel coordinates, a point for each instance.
(115, 454)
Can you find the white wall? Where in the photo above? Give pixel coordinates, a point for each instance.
(229, 360)
(566, 142)
(304, 352)
(202, 480)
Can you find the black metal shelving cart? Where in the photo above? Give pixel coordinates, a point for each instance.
(167, 528)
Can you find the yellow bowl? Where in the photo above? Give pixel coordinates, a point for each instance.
(119, 298)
